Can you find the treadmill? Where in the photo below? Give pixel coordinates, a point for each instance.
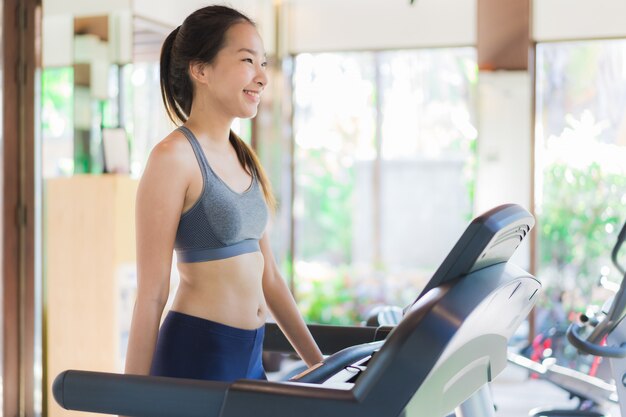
(451, 341)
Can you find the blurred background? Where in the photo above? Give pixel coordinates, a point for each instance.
(386, 127)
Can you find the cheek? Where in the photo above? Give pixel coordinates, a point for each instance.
(229, 83)
(242, 74)
(235, 79)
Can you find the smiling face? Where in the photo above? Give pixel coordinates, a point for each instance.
(235, 80)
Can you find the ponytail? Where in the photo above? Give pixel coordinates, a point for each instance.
(247, 158)
(176, 88)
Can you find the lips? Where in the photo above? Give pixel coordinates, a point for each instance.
(254, 94)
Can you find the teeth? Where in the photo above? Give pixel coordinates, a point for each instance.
(252, 93)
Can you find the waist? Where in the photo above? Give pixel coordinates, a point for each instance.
(228, 291)
(213, 326)
(192, 255)
(238, 316)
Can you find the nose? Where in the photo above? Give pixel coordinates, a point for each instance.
(261, 78)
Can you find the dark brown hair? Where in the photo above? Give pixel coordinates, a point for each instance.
(199, 39)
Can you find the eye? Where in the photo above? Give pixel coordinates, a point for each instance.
(264, 64)
(248, 60)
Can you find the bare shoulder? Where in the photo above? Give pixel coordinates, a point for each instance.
(173, 149)
(169, 164)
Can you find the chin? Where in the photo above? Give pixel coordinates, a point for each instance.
(248, 114)
(248, 110)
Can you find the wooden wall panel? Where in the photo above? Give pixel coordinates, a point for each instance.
(503, 34)
(90, 235)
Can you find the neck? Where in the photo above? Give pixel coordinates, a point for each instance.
(208, 125)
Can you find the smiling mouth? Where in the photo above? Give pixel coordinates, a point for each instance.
(254, 94)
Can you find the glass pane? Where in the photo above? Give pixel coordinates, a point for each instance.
(145, 117)
(363, 231)
(428, 143)
(427, 103)
(334, 125)
(580, 172)
(57, 121)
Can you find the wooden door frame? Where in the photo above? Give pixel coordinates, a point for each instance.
(20, 26)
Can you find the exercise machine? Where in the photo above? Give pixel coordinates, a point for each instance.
(451, 341)
(588, 336)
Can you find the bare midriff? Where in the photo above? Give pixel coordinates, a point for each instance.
(227, 291)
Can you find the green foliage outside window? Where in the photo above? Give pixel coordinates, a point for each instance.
(581, 161)
(330, 301)
(327, 206)
(56, 99)
(581, 214)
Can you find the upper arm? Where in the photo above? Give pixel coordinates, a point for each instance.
(160, 199)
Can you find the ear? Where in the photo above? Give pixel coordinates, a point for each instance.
(199, 72)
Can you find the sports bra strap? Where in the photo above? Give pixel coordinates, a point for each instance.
(197, 150)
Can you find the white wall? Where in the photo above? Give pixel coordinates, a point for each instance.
(84, 7)
(319, 25)
(578, 19)
(504, 148)
(58, 18)
(58, 29)
(334, 25)
(59, 46)
(172, 13)
(504, 144)
(57, 40)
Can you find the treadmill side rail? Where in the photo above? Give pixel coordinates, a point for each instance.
(138, 395)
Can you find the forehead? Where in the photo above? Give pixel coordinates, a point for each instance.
(244, 36)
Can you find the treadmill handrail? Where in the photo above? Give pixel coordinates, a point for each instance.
(579, 342)
(575, 382)
(158, 396)
(330, 339)
(333, 364)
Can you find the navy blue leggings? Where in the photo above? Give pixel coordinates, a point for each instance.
(192, 347)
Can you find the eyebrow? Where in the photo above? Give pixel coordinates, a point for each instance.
(252, 51)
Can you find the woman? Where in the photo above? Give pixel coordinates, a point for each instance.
(205, 194)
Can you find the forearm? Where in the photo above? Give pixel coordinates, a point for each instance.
(143, 336)
(285, 311)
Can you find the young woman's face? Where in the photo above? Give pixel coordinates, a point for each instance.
(237, 77)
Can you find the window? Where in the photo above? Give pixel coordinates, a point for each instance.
(580, 170)
(377, 137)
(57, 118)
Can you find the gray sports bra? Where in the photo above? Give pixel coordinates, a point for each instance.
(222, 223)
